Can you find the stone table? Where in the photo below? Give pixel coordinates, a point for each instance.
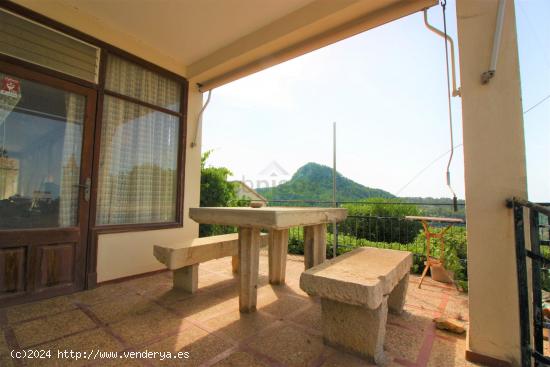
(277, 220)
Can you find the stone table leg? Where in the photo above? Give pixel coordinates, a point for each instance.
(315, 245)
(396, 300)
(187, 278)
(249, 257)
(278, 248)
(355, 329)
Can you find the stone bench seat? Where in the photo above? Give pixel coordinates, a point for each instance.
(356, 290)
(184, 258)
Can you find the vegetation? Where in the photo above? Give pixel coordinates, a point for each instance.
(314, 182)
(434, 208)
(455, 252)
(455, 249)
(376, 219)
(217, 191)
(379, 219)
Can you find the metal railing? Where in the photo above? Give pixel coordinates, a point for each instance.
(382, 231)
(532, 247)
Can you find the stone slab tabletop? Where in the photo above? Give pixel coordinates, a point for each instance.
(361, 277)
(267, 217)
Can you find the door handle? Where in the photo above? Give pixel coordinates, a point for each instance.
(86, 186)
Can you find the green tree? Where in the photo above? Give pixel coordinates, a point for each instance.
(217, 191)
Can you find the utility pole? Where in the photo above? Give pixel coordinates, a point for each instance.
(334, 202)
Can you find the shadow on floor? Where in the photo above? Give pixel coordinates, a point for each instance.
(145, 314)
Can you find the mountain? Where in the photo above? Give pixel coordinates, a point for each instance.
(314, 182)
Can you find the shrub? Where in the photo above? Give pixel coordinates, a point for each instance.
(382, 222)
(455, 252)
(217, 191)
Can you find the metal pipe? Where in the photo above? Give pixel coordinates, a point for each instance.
(486, 76)
(456, 90)
(334, 226)
(199, 119)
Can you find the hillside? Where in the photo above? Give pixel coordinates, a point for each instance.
(314, 182)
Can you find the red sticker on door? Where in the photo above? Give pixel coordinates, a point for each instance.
(10, 87)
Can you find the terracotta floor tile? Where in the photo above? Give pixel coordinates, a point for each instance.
(145, 327)
(87, 342)
(102, 293)
(124, 362)
(212, 279)
(225, 293)
(341, 359)
(277, 301)
(423, 300)
(310, 317)
(240, 359)
(122, 307)
(289, 345)
(203, 306)
(200, 345)
(38, 309)
(412, 319)
(239, 326)
(4, 348)
(457, 307)
(167, 296)
(150, 282)
(146, 312)
(45, 329)
(403, 343)
(6, 361)
(445, 353)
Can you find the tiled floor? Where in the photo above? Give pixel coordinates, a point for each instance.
(146, 315)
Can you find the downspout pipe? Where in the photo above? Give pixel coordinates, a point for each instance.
(489, 74)
(456, 90)
(199, 120)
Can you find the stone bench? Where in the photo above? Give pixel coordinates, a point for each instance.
(184, 258)
(356, 290)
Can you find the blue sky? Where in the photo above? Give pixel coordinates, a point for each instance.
(386, 89)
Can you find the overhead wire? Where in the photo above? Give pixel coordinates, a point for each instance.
(537, 104)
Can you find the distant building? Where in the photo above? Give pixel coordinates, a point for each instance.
(244, 191)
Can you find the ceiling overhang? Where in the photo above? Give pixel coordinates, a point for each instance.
(213, 43)
(295, 35)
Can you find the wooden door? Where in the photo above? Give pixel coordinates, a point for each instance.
(46, 132)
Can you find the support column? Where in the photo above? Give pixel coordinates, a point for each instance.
(396, 300)
(278, 249)
(315, 245)
(186, 278)
(494, 169)
(249, 258)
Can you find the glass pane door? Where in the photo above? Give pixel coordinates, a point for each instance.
(41, 131)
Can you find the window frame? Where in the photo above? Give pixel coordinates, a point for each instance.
(105, 50)
(94, 232)
(182, 141)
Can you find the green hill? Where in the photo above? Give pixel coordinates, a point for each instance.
(314, 182)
